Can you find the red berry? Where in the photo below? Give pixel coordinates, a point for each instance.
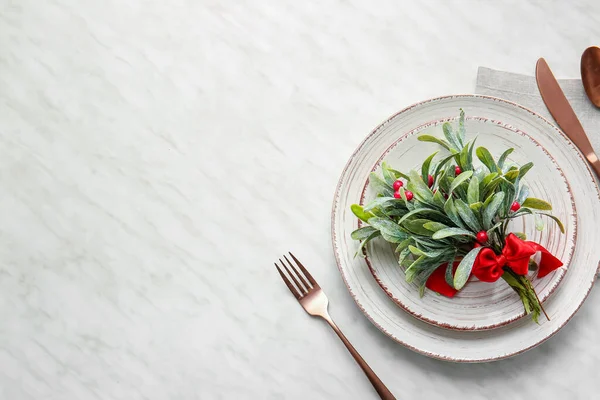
(397, 195)
(429, 180)
(457, 170)
(515, 206)
(409, 195)
(398, 184)
(482, 237)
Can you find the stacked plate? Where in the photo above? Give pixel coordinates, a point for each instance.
(484, 321)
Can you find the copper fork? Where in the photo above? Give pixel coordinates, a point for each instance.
(314, 301)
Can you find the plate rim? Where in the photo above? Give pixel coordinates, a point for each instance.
(554, 285)
(590, 285)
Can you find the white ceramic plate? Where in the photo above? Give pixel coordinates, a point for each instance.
(473, 346)
(479, 305)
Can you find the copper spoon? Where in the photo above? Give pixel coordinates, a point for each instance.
(590, 73)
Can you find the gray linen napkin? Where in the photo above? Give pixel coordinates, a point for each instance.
(522, 89)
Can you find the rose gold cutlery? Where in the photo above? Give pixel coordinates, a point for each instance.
(563, 113)
(590, 74)
(314, 301)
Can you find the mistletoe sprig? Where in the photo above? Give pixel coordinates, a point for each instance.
(450, 219)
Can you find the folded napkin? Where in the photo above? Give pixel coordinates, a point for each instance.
(522, 89)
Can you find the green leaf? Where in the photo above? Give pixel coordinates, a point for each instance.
(390, 231)
(520, 235)
(498, 225)
(362, 233)
(558, 222)
(409, 204)
(364, 243)
(422, 287)
(503, 157)
(433, 139)
(487, 180)
(416, 251)
(360, 213)
(424, 274)
(419, 187)
(473, 191)
(430, 243)
(448, 232)
(460, 179)
(427, 253)
(450, 273)
(434, 226)
(413, 213)
(512, 175)
(380, 186)
(538, 204)
(509, 195)
(488, 200)
(452, 213)
(491, 187)
(403, 255)
(486, 158)
(438, 199)
(523, 193)
(395, 212)
(491, 209)
(380, 202)
(388, 175)
(441, 164)
(450, 136)
(533, 266)
(463, 158)
(416, 227)
(467, 215)
(398, 173)
(470, 155)
(524, 169)
(476, 207)
(522, 210)
(444, 182)
(404, 244)
(425, 166)
(464, 268)
(412, 271)
(461, 127)
(539, 222)
(392, 239)
(461, 192)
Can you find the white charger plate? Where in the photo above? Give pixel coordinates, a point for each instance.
(522, 126)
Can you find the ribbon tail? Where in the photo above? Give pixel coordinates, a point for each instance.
(437, 281)
(548, 263)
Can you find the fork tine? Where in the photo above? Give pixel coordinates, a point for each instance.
(288, 283)
(306, 273)
(306, 285)
(301, 288)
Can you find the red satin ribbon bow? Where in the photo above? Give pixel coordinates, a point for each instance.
(488, 266)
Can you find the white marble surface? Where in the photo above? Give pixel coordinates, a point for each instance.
(156, 157)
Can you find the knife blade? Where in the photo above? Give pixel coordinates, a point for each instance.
(563, 113)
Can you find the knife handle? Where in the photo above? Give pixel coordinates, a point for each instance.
(594, 162)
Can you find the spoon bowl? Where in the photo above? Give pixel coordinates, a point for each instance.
(590, 73)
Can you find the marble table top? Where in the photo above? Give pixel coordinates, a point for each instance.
(157, 157)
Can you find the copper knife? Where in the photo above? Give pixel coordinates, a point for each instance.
(563, 113)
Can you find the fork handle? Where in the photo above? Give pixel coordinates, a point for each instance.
(379, 386)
